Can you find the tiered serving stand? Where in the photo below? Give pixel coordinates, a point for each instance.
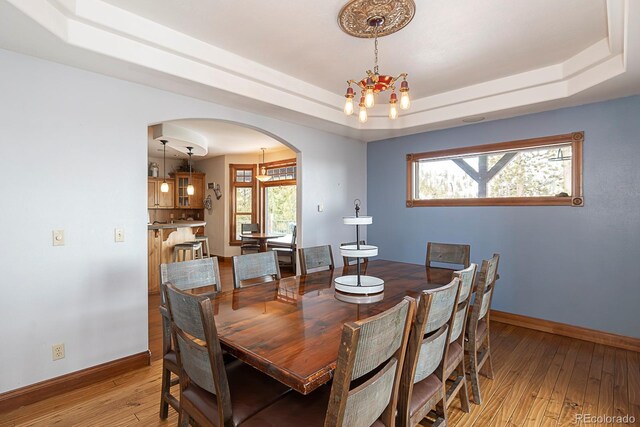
(358, 288)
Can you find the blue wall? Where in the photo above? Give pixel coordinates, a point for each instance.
(579, 266)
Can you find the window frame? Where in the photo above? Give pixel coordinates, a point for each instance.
(282, 182)
(233, 168)
(576, 139)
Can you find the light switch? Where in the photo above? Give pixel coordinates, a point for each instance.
(58, 237)
(119, 235)
(320, 207)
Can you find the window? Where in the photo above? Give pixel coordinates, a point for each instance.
(539, 171)
(279, 198)
(243, 201)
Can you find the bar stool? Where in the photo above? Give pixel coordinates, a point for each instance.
(194, 247)
(205, 241)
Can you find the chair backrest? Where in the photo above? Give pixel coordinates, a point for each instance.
(261, 265)
(315, 258)
(250, 228)
(374, 347)
(448, 253)
(350, 260)
(193, 274)
(186, 275)
(484, 294)
(198, 349)
(459, 319)
(428, 344)
(294, 235)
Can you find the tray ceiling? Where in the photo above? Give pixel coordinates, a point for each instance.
(290, 60)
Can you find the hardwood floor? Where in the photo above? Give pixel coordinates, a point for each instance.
(540, 380)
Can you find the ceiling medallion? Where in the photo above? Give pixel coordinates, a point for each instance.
(376, 18)
(354, 18)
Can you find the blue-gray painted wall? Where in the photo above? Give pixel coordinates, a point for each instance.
(579, 266)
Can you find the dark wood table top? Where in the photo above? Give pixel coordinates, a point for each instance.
(290, 329)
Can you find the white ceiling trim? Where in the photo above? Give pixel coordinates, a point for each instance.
(100, 27)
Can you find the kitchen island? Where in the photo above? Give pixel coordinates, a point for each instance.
(162, 237)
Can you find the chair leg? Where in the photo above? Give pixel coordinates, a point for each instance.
(441, 413)
(183, 419)
(488, 364)
(463, 393)
(165, 389)
(473, 374)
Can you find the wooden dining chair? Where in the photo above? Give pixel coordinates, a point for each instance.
(422, 391)
(186, 275)
(348, 261)
(212, 393)
(454, 367)
(448, 253)
(253, 269)
(365, 382)
(286, 251)
(317, 258)
(478, 346)
(247, 245)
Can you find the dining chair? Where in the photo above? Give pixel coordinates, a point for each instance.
(448, 253)
(478, 346)
(186, 275)
(454, 367)
(316, 258)
(212, 393)
(365, 383)
(252, 269)
(249, 245)
(286, 250)
(422, 391)
(347, 261)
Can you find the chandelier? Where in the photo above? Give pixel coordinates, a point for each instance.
(383, 17)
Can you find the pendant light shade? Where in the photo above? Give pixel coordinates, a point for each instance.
(263, 172)
(164, 187)
(190, 189)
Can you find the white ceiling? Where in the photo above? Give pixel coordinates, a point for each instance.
(290, 60)
(221, 138)
(445, 40)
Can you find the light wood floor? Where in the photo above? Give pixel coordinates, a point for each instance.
(540, 380)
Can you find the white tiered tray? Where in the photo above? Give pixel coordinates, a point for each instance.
(368, 284)
(352, 251)
(359, 299)
(357, 220)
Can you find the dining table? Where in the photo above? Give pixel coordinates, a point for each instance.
(261, 238)
(290, 328)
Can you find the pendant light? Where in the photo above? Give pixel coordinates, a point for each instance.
(263, 175)
(190, 189)
(164, 188)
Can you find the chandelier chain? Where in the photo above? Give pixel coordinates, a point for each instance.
(375, 51)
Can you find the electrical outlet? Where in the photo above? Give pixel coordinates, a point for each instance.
(119, 235)
(57, 351)
(58, 237)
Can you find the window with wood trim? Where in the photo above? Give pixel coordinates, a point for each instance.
(538, 171)
(278, 197)
(243, 199)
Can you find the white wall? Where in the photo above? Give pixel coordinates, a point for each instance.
(69, 125)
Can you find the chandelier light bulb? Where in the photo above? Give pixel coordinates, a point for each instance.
(362, 116)
(393, 106)
(164, 188)
(348, 106)
(405, 102)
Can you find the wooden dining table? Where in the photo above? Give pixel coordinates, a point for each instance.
(290, 328)
(261, 238)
